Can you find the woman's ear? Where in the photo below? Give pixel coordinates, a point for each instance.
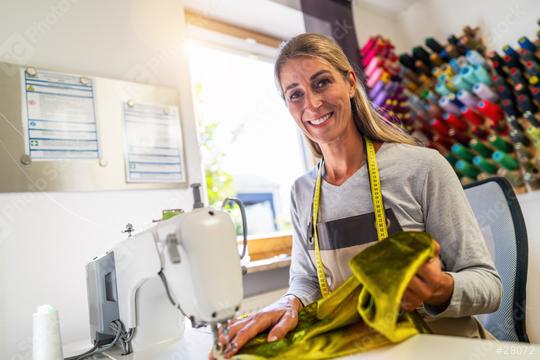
(351, 79)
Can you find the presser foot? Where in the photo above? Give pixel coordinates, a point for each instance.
(217, 348)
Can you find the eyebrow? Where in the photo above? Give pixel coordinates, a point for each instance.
(310, 79)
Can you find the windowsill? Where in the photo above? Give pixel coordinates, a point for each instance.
(276, 262)
(268, 246)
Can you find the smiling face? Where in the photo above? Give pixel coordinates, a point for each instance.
(319, 98)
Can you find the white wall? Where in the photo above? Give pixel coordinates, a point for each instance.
(502, 21)
(369, 22)
(47, 238)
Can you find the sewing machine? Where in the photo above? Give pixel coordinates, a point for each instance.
(188, 266)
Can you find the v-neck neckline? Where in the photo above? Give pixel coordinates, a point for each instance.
(359, 172)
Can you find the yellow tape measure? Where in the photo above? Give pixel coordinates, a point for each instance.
(378, 207)
(376, 194)
(323, 284)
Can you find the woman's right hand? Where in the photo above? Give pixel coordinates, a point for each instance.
(281, 316)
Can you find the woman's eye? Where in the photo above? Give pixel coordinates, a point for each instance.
(295, 95)
(321, 83)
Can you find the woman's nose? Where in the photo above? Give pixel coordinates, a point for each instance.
(313, 100)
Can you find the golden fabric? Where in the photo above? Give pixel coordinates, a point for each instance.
(363, 313)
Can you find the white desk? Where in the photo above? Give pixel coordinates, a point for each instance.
(197, 342)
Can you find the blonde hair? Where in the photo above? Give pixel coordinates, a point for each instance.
(367, 119)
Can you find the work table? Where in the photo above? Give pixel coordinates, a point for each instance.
(197, 342)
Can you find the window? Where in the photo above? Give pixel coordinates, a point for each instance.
(251, 147)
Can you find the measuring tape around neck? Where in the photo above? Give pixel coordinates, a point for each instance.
(378, 207)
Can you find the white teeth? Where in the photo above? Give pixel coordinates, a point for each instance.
(320, 120)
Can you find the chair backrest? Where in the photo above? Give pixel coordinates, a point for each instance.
(498, 213)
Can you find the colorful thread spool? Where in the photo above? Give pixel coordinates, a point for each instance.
(525, 43)
(374, 64)
(376, 76)
(499, 69)
(435, 59)
(490, 110)
(376, 89)
(459, 137)
(434, 45)
(407, 61)
(474, 57)
(480, 147)
(485, 165)
(520, 89)
(516, 76)
(534, 81)
(439, 126)
(472, 116)
(509, 108)
(522, 152)
(368, 45)
(505, 160)
(455, 122)
(535, 92)
(500, 143)
(514, 123)
(447, 70)
(454, 100)
(455, 65)
(467, 74)
(462, 152)
(460, 83)
(442, 141)
(524, 104)
(467, 98)
(534, 133)
(508, 50)
(518, 137)
(421, 54)
(466, 169)
(442, 89)
(527, 55)
(381, 98)
(484, 92)
(452, 159)
(448, 106)
(532, 68)
(504, 92)
(498, 80)
(481, 74)
(531, 118)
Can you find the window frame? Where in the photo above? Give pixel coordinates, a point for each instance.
(272, 249)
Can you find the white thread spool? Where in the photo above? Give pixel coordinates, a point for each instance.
(46, 339)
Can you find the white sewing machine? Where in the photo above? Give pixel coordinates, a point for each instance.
(186, 265)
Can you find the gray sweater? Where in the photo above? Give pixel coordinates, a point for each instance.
(421, 192)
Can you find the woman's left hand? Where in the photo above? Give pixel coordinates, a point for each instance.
(429, 286)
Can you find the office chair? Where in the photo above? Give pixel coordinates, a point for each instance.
(498, 213)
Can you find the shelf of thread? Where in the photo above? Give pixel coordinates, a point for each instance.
(479, 108)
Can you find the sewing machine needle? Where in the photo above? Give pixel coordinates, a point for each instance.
(217, 344)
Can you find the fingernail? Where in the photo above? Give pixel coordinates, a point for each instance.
(230, 348)
(272, 338)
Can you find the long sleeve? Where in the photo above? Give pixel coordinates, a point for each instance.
(303, 282)
(449, 218)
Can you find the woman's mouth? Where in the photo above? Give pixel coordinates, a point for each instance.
(322, 121)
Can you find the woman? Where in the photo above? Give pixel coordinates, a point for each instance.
(420, 191)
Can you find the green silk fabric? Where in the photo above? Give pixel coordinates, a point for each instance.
(363, 313)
